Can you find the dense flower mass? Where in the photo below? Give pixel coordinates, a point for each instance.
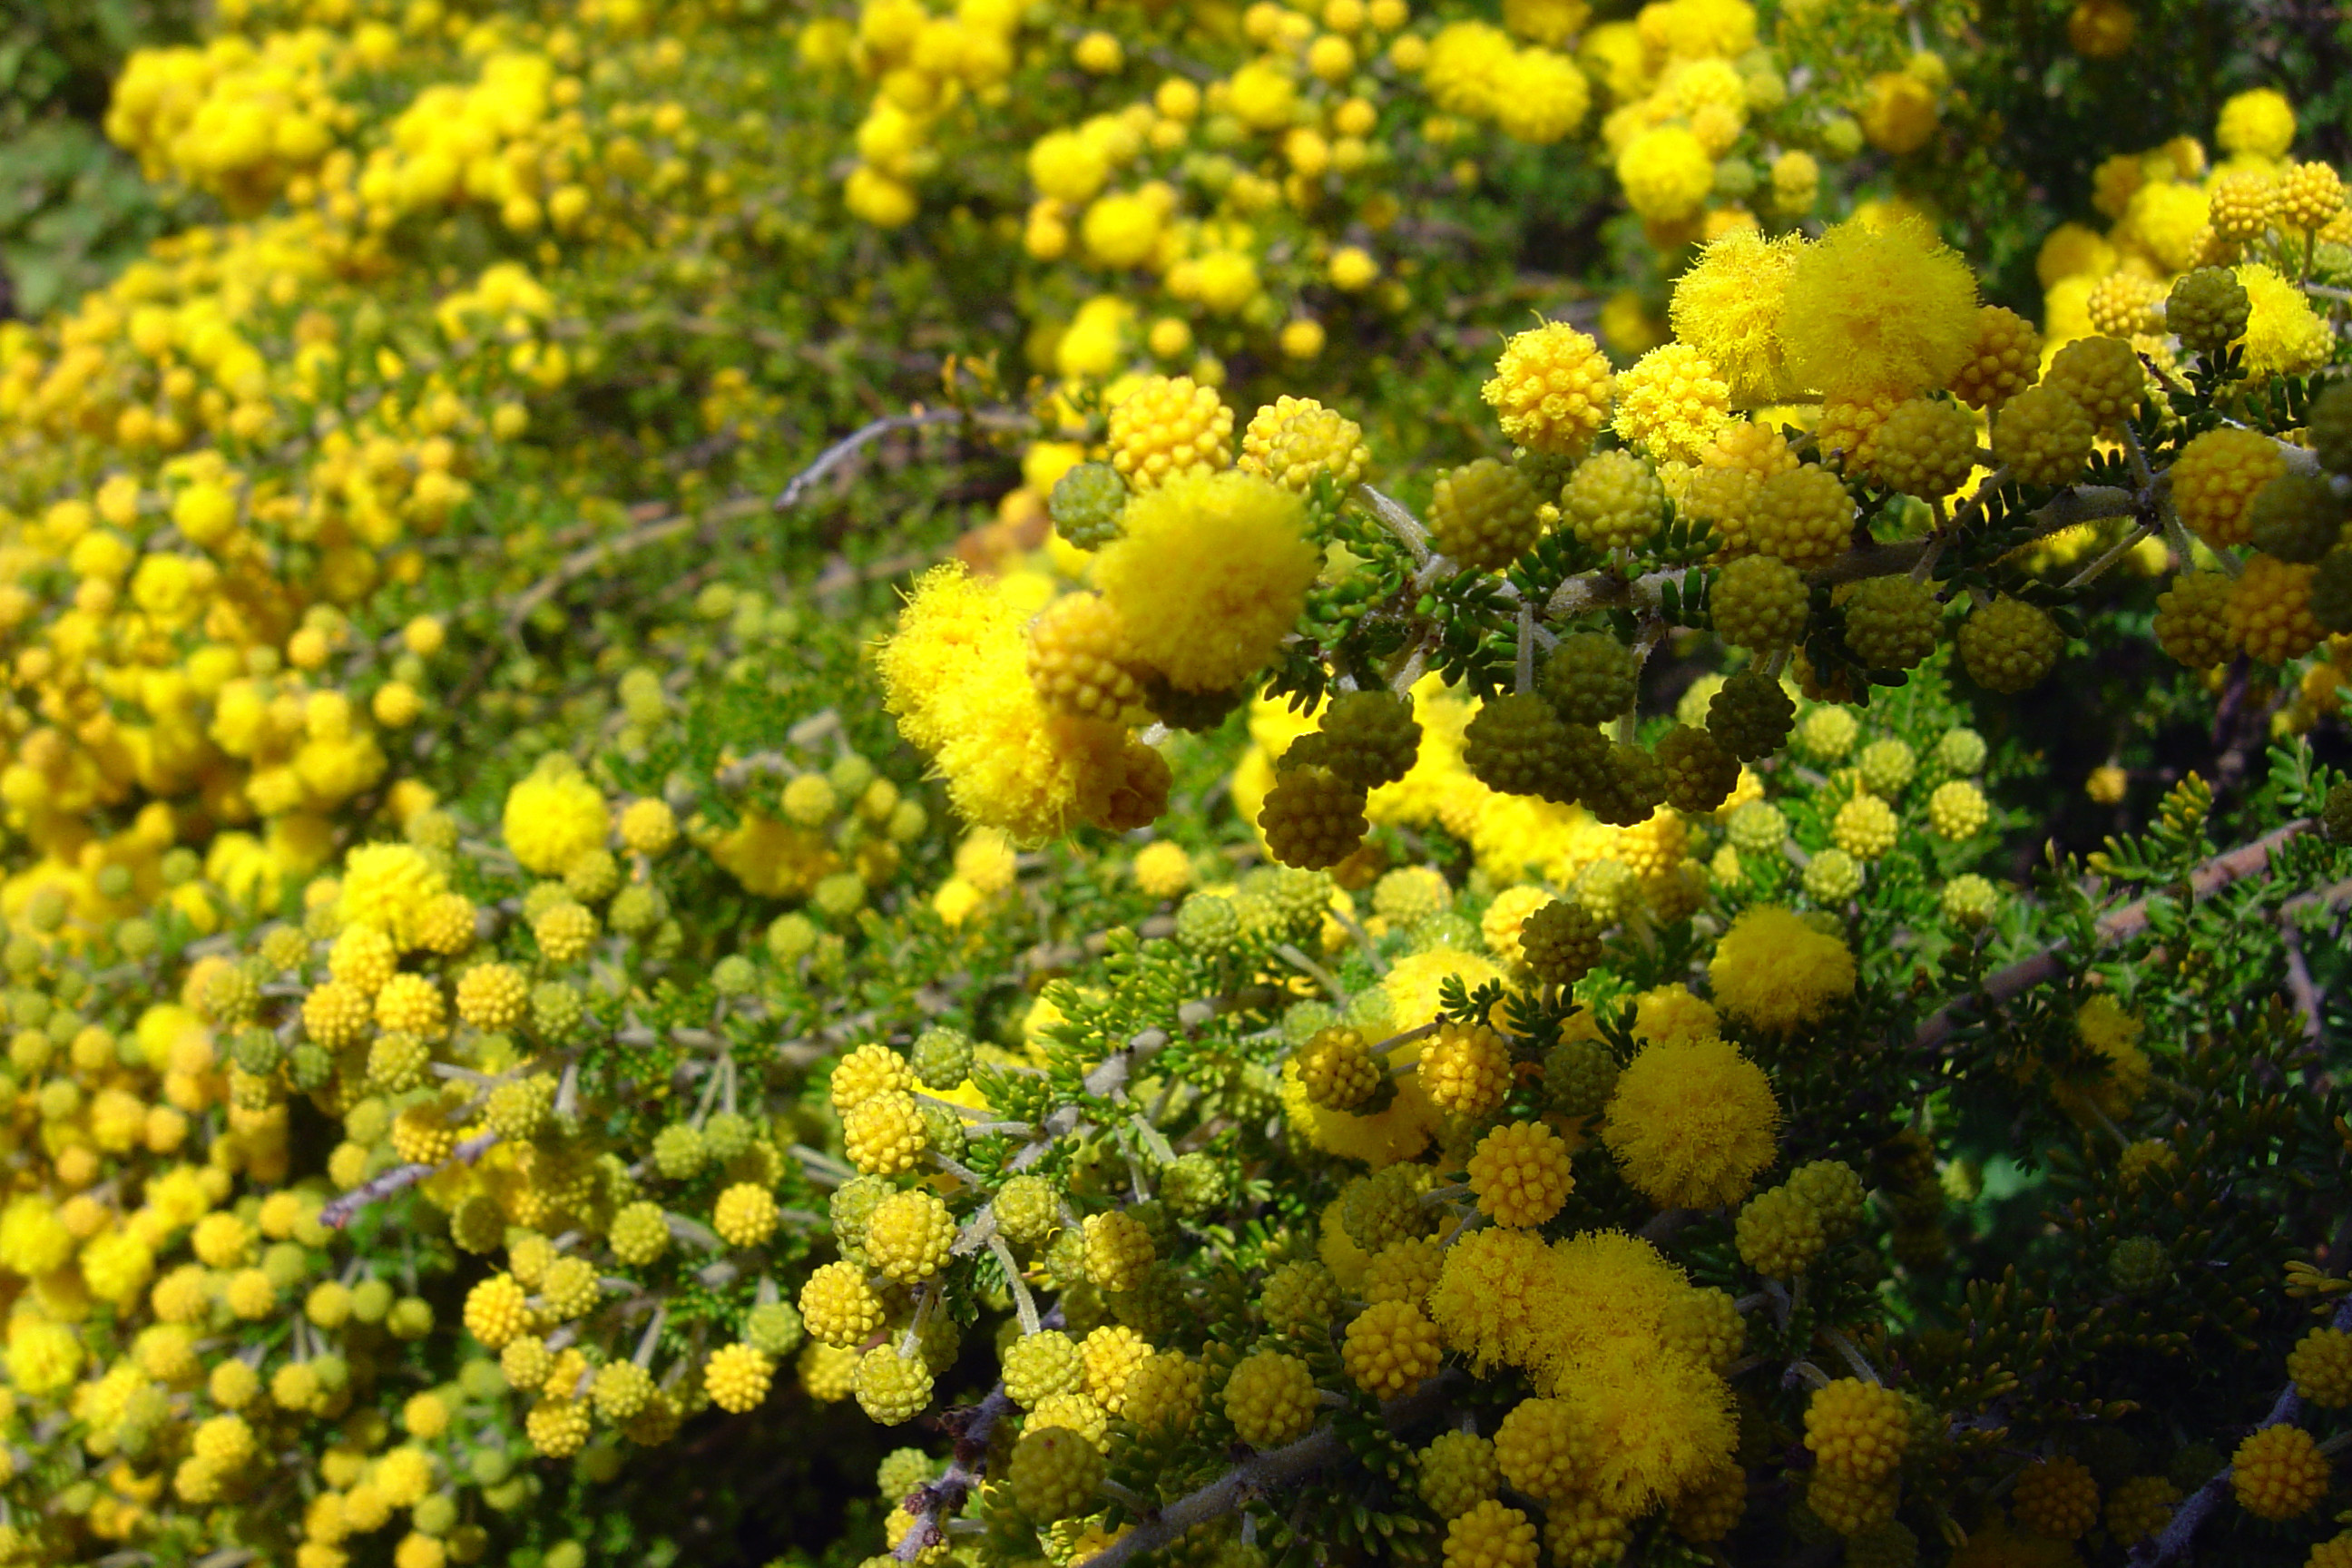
(1477, 784)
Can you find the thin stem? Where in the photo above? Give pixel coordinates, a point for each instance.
(1419, 1033)
(1289, 953)
(1270, 1473)
(2123, 547)
(652, 1337)
(2138, 456)
(821, 1167)
(2246, 860)
(911, 1341)
(1397, 520)
(1023, 1305)
(857, 440)
(1805, 1372)
(339, 1213)
(1853, 1357)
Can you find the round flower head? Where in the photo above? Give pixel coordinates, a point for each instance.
(552, 817)
(1692, 1123)
(1551, 389)
(1490, 1535)
(1655, 1424)
(2283, 332)
(1673, 403)
(388, 887)
(1494, 1294)
(1774, 970)
(1666, 174)
(1168, 427)
(1878, 308)
(1463, 61)
(957, 674)
(1540, 96)
(1210, 572)
(1729, 308)
(2279, 1472)
(1520, 1173)
(2261, 122)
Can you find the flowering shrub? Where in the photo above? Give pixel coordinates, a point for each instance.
(913, 786)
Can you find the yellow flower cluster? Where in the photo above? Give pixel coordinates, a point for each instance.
(1623, 1418)
(240, 121)
(2173, 209)
(2177, 217)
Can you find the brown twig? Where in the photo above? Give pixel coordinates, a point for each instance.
(2115, 926)
(2300, 986)
(933, 1502)
(930, 1504)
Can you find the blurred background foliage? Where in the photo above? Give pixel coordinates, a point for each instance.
(73, 209)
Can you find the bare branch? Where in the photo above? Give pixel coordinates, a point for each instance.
(931, 1504)
(796, 490)
(400, 1178)
(2246, 860)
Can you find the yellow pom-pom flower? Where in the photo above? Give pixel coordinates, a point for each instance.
(1879, 309)
(1520, 1173)
(496, 1310)
(2269, 612)
(1390, 1347)
(2216, 477)
(2284, 335)
(1168, 426)
(1956, 810)
(1162, 868)
(2259, 123)
(1490, 1534)
(1729, 308)
(2321, 1366)
(1667, 174)
(1672, 403)
(738, 1377)
(1857, 1430)
(1692, 1122)
(1465, 1070)
(1864, 828)
(1118, 1249)
(1208, 576)
(1270, 1399)
(839, 1307)
(1551, 389)
(2056, 1497)
(493, 996)
(957, 674)
(884, 1135)
(551, 817)
(907, 1235)
(1774, 970)
(2279, 1473)
(745, 1214)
